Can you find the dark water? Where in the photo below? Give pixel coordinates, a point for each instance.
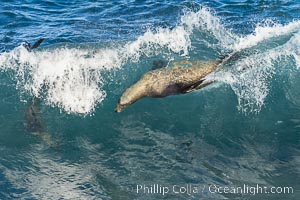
(242, 131)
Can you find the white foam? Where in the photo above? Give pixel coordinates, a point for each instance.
(71, 75)
(250, 77)
(265, 31)
(205, 20)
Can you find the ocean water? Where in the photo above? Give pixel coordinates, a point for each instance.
(241, 131)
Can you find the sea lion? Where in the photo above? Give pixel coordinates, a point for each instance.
(168, 81)
(180, 78)
(34, 123)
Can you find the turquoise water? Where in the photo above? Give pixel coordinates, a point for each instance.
(241, 130)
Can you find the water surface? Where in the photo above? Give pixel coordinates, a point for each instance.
(241, 130)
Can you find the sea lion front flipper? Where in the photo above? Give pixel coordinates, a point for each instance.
(196, 86)
(28, 46)
(37, 43)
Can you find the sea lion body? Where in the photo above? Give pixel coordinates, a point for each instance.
(35, 126)
(173, 80)
(33, 119)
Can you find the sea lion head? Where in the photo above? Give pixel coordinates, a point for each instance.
(132, 94)
(123, 103)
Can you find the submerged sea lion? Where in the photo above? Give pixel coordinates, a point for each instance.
(35, 125)
(176, 79)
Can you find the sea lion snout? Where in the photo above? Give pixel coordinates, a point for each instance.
(119, 108)
(121, 105)
(131, 95)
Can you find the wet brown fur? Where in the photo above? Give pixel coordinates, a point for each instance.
(181, 77)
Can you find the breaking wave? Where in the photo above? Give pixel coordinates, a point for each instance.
(72, 79)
